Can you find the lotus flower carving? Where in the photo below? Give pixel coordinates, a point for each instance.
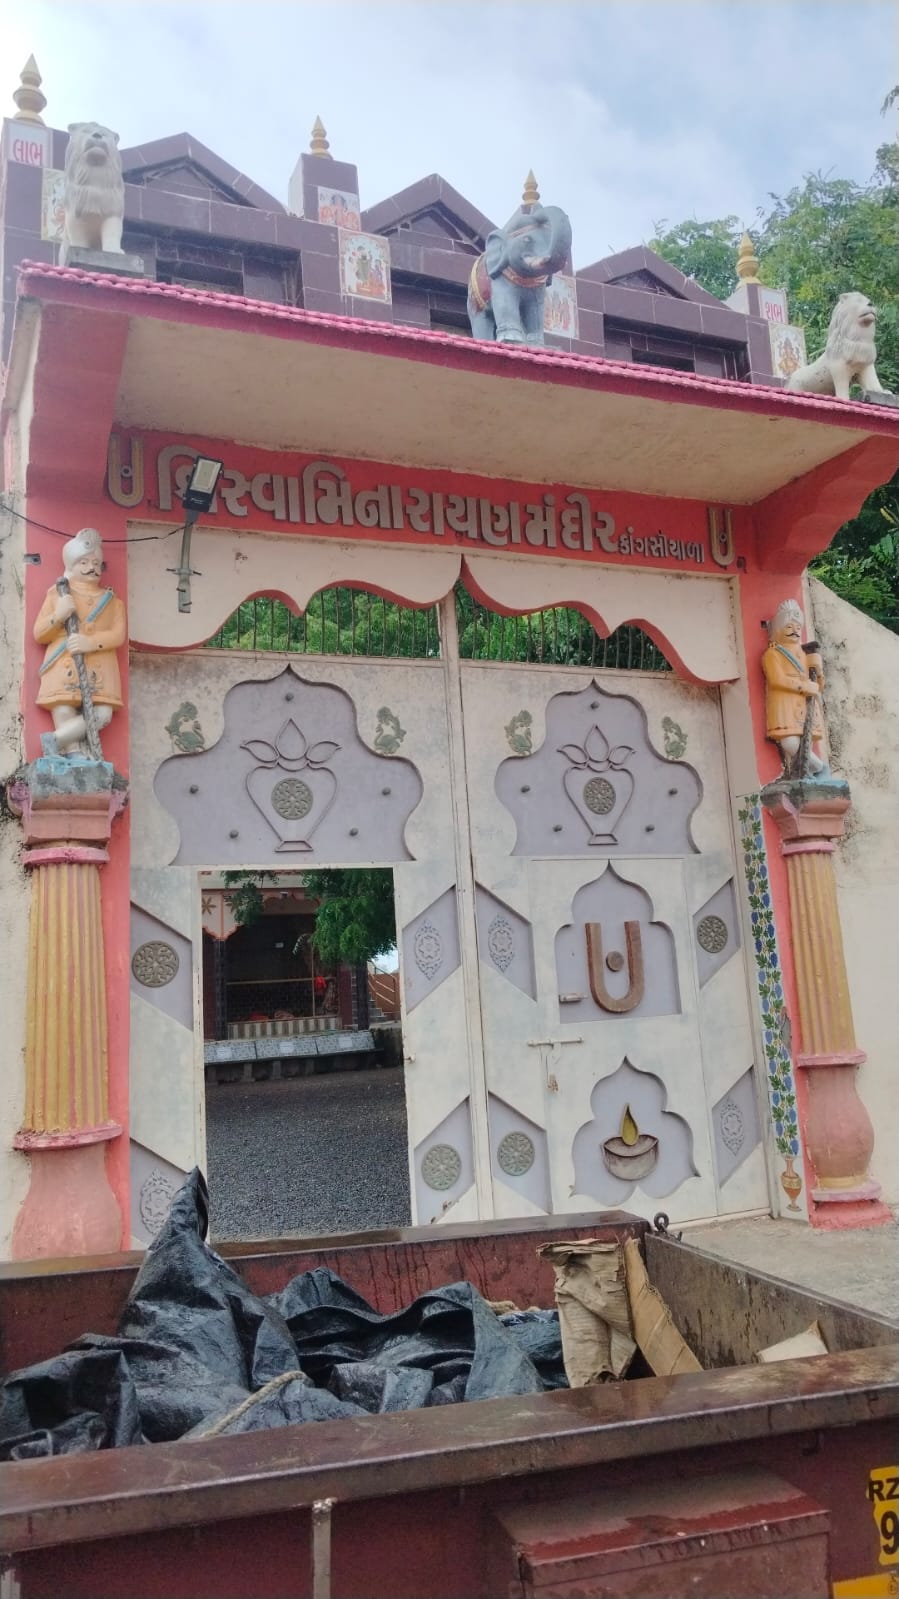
(290, 749)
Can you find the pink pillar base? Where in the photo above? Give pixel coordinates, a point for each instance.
(838, 1132)
(851, 1213)
(70, 1208)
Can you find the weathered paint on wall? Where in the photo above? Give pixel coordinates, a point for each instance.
(14, 887)
(861, 663)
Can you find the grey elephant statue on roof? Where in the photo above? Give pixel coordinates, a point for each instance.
(508, 282)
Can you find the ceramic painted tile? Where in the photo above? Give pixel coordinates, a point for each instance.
(560, 308)
(339, 209)
(787, 349)
(774, 1018)
(52, 213)
(364, 265)
(773, 305)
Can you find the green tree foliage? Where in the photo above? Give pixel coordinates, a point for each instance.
(557, 637)
(825, 236)
(356, 920)
(339, 621)
(704, 251)
(245, 895)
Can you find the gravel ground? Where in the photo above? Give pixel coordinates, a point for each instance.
(316, 1155)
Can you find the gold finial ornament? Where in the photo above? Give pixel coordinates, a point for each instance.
(747, 261)
(28, 96)
(319, 144)
(531, 195)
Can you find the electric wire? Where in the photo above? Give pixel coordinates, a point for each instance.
(144, 538)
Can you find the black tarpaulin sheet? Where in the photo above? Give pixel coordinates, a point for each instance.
(194, 1347)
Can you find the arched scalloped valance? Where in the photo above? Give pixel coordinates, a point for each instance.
(691, 619)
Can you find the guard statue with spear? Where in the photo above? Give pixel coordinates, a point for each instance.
(794, 678)
(82, 626)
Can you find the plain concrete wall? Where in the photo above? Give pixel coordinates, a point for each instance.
(861, 666)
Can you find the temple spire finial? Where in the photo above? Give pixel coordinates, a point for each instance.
(319, 144)
(747, 261)
(531, 194)
(28, 97)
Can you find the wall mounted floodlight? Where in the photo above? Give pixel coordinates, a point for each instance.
(197, 497)
(201, 485)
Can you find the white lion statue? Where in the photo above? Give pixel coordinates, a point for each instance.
(849, 353)
(93, 191)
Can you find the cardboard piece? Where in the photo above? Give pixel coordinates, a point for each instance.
(800, 1345)
(594, 1317)
(658, 1339)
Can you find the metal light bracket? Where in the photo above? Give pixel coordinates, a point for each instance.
(184, 571)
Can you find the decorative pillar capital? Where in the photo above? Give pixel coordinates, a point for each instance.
(807, 809)
(67, 804)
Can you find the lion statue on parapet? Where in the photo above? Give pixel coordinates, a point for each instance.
(849, 353)
(93, 190)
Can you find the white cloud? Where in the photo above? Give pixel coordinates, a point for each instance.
(629, 110)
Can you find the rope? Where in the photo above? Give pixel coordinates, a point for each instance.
(247, 1404)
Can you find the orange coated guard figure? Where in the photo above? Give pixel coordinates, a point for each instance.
(82, 626)
(794, 675)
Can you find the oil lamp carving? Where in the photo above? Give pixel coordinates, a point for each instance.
(615, 962)
(632, 1154)
(598, 784)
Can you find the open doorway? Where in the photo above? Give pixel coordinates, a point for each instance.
(305, 1098)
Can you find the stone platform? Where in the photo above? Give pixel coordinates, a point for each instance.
(860, 1267)
(236, 1060)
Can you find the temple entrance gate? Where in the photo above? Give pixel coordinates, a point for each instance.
(575, 1012)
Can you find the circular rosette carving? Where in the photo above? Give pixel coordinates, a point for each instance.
(292, 798)
(599, 796)
(516, 1154)
(427, 947)
(154, 1200)
(733, 1131)
(501, 942)
(441, 1167)
(155, 963)
(712, 934)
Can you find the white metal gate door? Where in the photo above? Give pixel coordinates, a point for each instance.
(290, 763)
(617, 1035)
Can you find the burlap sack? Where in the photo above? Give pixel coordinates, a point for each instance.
(595, 1321)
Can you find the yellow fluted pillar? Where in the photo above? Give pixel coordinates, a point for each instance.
(66, 1051)
(70, 1209)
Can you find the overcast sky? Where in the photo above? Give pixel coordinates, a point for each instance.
(629, 112)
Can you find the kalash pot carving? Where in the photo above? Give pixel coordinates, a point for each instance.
(598, 784)
(292, 785)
